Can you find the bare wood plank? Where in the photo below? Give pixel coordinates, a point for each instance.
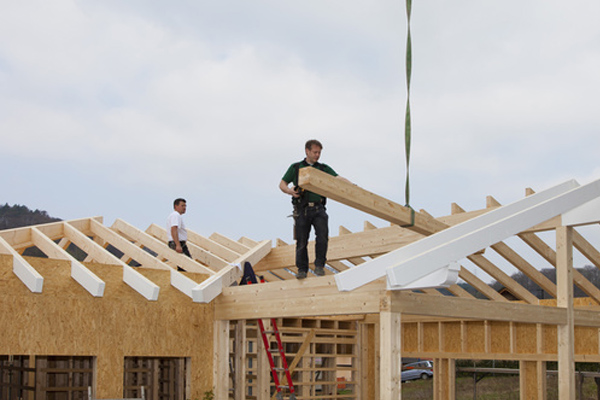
(419, 304)
(160, 248)
(131, 277)
(512, 285)
(82, 275)
(214, 262)
(525, 267)
(22, 269)
(566, 330)
(480, 285)
(544, 250)
(229, 243)
(130, 250)
(268, 300)
(351, 195)
(211, 246)
(352, 245)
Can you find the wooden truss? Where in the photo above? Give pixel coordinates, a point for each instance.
(367, 279)
(216, 260)
(367, 269)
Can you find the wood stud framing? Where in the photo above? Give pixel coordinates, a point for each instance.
(443, 326)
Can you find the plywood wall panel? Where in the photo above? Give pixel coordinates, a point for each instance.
(66, 320)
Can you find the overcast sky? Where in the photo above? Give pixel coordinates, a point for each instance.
(115, 108)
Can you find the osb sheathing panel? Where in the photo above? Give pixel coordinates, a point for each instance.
(526, 338)
(550, 339)
(66, 320)
(475, 337)
(500, 337)
(410, 337)
(586, 340)
(452, 337)
(431, 337)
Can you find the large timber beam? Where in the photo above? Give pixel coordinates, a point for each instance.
(351, 195)
(360, 244)
(316, 297)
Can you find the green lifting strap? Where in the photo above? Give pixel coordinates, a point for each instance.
(407, 129)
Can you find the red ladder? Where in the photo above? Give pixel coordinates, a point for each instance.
(279, 349)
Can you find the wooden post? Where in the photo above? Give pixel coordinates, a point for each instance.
(444, 379)
(566, 332)
(240, 360)
(532, 380)
(221, 360)
(367, 359)
(263, 371)
(390, 355)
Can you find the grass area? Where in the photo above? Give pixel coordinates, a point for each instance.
(500, 387)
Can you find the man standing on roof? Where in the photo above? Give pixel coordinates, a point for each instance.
(176, 231)
(309, 210)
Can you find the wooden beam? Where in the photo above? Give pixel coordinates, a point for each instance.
(213, 286)
(82, 275)
(525, 267)
(390, 333)
(351, 195)
(480, 285)
(513, 286)
(481, 232)
(566, 330)
(352, 245)
(231, 244)
(459, 241)
(213, 247)
(160, 248)
(21, 268)
(198, 253)
(129, 250)
(131, 277)
(292, 298)
(544, 250)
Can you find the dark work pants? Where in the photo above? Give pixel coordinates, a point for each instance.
(184, 248)
(305, 218)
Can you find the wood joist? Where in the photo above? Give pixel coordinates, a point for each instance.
(127, 247)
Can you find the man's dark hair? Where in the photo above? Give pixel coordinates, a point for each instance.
(178, 201)
(311, 143)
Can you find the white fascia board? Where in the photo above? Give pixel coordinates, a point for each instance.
(29, 276)
(585, 214)
(209, 289)
(374, 269)
(183, 283)
(440, 278)
(21, 268)
(86, 278)
(459, 247)
(140, 283)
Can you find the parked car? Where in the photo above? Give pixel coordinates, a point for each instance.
(425, 364)
(410, 374)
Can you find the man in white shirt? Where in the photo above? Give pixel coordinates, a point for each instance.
(176, 228)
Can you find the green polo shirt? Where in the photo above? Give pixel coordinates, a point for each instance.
(291, 176)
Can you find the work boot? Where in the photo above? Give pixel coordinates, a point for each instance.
(319, 271)
(301, 275)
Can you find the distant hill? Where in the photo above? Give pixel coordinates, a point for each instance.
(16, 216)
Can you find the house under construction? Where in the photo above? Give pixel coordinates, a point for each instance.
(122, 315)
